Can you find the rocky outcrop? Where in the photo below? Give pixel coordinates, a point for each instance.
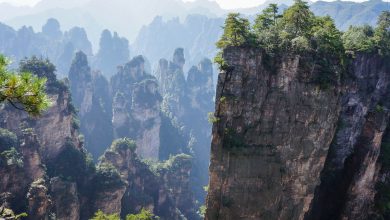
(113, 52)
(349, 179)
(271, 135)
(91, 96)
(163, 189)
(188, 102)
(136, 107)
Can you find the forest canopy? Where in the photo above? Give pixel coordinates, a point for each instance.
(298, 30)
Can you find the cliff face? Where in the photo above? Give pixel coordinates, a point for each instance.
(349, 179)
(136, 107)
(187, 102)
(273, 128)
(91, 96)
(165, 190)
(31, 163)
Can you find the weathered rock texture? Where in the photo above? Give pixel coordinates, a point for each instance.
(273, 130)
(166, 191)
(91, 96)
(136, 107)
(349, 179)
(187, 102)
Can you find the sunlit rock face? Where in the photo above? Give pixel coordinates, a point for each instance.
(271, 136)
(284, 147)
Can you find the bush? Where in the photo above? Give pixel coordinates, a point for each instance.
(124, 144)
(100, 215)
(143, 215)
(12, 157)
(107, 177)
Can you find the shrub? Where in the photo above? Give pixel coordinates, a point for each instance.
(12, 157)
(107, 177)
(143, 215)
(124, 144)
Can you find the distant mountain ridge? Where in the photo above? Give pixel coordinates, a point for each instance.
(132, 15)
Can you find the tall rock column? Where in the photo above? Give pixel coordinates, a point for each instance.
(273, 127)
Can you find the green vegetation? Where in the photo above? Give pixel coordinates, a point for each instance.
(71, 164)
(12, 157)
(107, 177)
(124, 144)
(236, 32)
(23, 90)
(173, 163)
(142, 215)
(369, 39)
(297, 30)
(211, 118)
(9, 214)
(100, 215)
(202, 211)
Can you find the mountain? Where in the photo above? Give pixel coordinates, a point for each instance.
(196, 35)
(347, 13)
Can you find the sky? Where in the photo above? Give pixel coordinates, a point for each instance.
(227, 4)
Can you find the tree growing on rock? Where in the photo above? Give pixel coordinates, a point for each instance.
(237, 32)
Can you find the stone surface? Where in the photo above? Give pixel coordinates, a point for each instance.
(273, 130)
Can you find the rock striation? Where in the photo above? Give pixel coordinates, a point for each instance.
(286, 147)
(271, 137)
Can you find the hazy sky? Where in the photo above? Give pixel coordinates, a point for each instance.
(228, 4)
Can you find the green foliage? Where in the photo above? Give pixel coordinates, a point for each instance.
(379, 108)
(12, 157)
(22, 90)
(327, 36)
(39, 67)
(173, 163)
(143, 215)
(268, 18)
(212, 119)
(202, 211)
(100, 215)
(368, 39)
(107, 177)
(382, 33)
(298, 19)
(359, 39)
(71, 163)
(237, 32)
(6, 213)
(124, 144)
(297, 30)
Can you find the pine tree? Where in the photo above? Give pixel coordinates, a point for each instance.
(236, 32)
(22, 90)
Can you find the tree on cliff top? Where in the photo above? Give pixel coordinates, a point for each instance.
(298, 19)
(22, 90)
(237, 32)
